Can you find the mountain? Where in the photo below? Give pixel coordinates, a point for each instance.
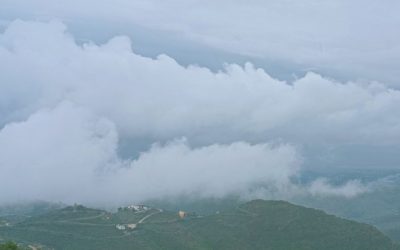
(380, 206)
(254, 225)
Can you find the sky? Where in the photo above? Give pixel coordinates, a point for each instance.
(106, 102)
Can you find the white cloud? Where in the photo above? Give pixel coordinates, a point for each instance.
(350, 189)
(63, 107)
(352, 39)
(55, 155)
(160, 99)
(212, 171)
(67, 154)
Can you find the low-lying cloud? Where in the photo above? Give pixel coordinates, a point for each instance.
(352, 188)
(68, 154)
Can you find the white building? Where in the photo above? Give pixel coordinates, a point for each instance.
(138, 207)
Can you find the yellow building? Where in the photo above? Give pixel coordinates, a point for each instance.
(182, 214)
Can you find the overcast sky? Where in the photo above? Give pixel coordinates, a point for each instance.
(346, 39)
(149, 99)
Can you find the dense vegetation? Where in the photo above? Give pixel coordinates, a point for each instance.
(254, 225)
(9, 246)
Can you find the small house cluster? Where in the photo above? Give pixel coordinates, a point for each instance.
(125, 226)
(138, 208)
(134, 208)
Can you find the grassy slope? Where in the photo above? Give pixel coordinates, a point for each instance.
(254, 225)
(380, 208)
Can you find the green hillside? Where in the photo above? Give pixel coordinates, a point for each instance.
(255, 225)
(380, 207)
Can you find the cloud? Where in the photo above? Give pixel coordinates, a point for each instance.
(158, 98)
(342, 38)
(350, 189)
(216, 170)
(56, 154)
(67, 154)
(65, 107)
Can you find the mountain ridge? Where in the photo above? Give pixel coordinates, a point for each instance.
(257, 224)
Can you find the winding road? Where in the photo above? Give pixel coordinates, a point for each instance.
(149, 215)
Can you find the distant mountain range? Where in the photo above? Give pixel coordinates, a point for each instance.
(258, 224)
